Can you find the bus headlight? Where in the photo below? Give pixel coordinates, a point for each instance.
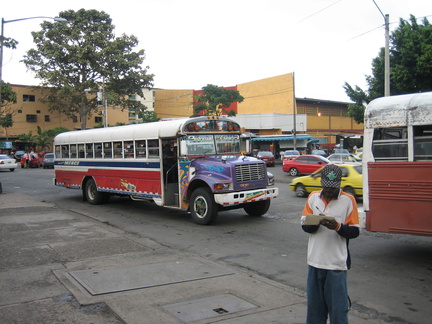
(271, 181)
(223, 186)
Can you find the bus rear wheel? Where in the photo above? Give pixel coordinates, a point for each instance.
(202, 207)
(93, 196)
(257, 208)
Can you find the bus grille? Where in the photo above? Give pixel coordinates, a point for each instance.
(248, 172)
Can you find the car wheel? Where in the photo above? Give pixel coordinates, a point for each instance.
(349, 190)
(293, 172)
(257, 208)
(203, 208)
(300, 190)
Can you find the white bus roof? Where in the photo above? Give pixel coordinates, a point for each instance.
(402, 110)
(154, 130)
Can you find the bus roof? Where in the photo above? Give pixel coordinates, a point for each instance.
(402, 110)
(154, 130)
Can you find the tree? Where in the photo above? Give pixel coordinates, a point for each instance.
(215, 101)
(42, 139)
(77, 60)
(8, 97)
(410, 66)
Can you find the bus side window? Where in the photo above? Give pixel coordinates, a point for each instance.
(89, 151)
(128, 150)
(140, 149)
(107, 150)
(58, 151)
(423, 143)
(73, 151)
(98, 150)
(153, 148)
(81, 151)
(118, 150)
(65, 151)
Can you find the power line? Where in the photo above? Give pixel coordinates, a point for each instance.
(318, 12)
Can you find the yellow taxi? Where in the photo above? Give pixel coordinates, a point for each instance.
(352, 181)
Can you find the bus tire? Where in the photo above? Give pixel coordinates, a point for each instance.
(203, 208)
(93, 196)
(257, 208)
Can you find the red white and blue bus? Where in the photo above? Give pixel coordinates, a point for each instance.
(190, 164)
(397, 164)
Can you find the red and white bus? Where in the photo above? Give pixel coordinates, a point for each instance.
(202, 170)
(397, 164)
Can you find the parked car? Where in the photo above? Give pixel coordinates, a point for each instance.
(319, 152)
(18, 155)
(344, 158)
(290, 154)
(304, 164)
(7, 162)
(48, 161)
(267, 157)
(352, 181)
(35, 162)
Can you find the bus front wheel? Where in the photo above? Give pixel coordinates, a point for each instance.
(93, 196)
(257, 208)
(203, 208)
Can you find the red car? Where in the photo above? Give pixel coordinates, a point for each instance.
(267, 157)
(304, 164)
(36, 161)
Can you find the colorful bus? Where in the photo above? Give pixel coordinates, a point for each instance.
(190, 164)
(397, 164)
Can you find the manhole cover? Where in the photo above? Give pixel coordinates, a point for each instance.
(109, 280)
(208, 307)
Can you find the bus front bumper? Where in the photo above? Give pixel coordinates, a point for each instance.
(243, 197)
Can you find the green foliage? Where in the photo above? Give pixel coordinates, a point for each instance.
(410, 66)
(6, 121)
(8, 96)
(42, 139)
(148, 116)
(215, 101)
(77, 60)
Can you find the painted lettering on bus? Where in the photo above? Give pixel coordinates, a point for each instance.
(71, 163)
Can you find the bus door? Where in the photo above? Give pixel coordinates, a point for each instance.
(170, 172)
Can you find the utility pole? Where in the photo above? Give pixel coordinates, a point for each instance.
(386, 52)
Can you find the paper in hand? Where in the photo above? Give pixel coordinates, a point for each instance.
(312, 219)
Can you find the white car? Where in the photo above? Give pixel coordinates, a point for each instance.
(7, 162)
(344, 158)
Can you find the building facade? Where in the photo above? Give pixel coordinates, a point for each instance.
(269, 108)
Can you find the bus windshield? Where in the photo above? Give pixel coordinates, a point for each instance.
(210, 144)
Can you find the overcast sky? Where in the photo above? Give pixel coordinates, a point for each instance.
(192, 43)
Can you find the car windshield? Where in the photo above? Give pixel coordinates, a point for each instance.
(4, 157)
(323, 158)
(265, 154)
(292, 153)
(359, 169)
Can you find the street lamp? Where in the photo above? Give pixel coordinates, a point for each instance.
(386, 53)
(58, 19)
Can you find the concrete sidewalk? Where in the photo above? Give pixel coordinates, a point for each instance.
(61, 266)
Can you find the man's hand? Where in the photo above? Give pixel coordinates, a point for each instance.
(329, 223)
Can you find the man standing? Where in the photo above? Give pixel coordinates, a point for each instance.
(328, 255)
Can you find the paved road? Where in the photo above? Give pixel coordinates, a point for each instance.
(391, 275)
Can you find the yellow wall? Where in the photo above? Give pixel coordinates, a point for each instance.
(271, 95)
(173, 103)
(21, 126)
